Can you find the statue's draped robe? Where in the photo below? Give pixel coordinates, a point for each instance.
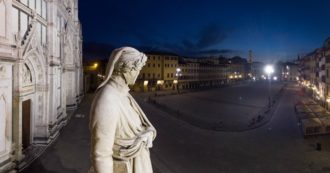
(117, 124)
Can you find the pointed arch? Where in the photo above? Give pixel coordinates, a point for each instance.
(36, 63)
(34, 60)
(34, 57)
(3, 123)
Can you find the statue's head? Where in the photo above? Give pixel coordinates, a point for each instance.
(125, 62)
(129, 65)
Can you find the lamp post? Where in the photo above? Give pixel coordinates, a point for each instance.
(178, 74)
(269, 70)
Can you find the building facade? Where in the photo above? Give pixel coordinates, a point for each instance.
(40, 75)
(94, 73)
(289, 72)
(190, 75)
(171, 72)
(314, 73)
(159, 73)
(202, 73)
(257, 70)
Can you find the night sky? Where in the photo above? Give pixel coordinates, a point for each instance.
(273, 30)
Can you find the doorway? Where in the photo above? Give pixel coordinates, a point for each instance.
(26, 123)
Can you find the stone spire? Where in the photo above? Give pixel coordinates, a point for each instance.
(250, 59)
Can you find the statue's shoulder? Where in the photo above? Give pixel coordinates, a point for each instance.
(107, 96)
(105, 106)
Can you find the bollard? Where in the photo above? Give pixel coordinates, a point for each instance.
(318, 146)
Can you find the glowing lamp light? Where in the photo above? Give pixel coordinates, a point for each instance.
(160, 82)
(175, 81)
(95, 65)
(275, 78)
(269, 69)
(145, 83)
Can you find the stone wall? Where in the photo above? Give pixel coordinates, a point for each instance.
(40, 75)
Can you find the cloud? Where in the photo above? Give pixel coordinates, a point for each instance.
(203, 43)
(216, 52)
(210, 36)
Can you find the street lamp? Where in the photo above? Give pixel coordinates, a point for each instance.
(95, 65)
(178, 74)
(269, 70)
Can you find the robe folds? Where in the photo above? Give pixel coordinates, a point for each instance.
(121, 134)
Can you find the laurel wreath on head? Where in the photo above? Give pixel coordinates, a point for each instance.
(126, 66)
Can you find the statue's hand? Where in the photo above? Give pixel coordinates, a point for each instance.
(147, 137)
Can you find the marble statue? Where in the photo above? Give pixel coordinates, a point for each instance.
(121, 134)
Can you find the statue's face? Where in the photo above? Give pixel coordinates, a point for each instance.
(131, 76)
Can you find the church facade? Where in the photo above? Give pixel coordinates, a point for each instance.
(40, 75)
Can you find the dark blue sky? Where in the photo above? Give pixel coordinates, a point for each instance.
(273, 30)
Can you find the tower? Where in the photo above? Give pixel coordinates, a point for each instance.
(250, 57)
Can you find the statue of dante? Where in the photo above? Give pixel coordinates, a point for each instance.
(121, 134)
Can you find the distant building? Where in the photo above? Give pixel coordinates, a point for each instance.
(165, 71)
(202, 73)
(40, 75)
(238, 68)
(94, 71)
(250, 59)
(314, 73)
(290, 71)
(159, 73)
(190, 77)
(307, 69)
(257, 70)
